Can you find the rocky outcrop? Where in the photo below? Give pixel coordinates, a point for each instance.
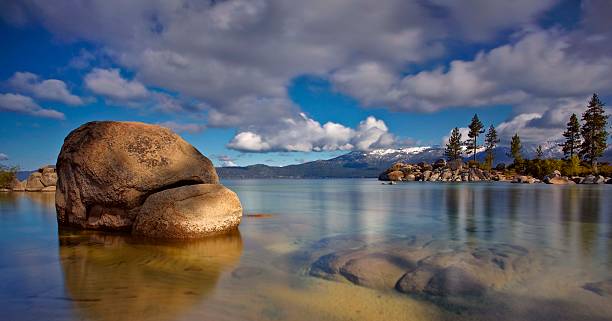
(456, 171)
(592, 179)
(108, 170)
(42, 180)
(34, 182)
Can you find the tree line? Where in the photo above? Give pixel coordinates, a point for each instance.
(584, 142)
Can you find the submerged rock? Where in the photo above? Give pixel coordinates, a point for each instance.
(107, 170)
(461, 273)
(432, 269)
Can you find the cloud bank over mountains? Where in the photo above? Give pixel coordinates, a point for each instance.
(233, 61)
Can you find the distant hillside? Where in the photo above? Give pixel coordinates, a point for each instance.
(370, 164)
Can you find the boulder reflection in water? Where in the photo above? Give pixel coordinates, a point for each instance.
(117, 277)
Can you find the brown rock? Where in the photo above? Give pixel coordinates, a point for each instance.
(558, 180)
(34, 183)
(189, 212)
(377, 270)
(395, 176)
(107, 169)
(49, 178)
(48, 189)
(18, 186)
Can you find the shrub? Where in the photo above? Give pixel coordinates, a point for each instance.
(7, 176)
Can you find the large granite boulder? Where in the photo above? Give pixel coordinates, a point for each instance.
(107, 170)
(188, 212)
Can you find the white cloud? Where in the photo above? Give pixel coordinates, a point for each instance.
(464, 131)
(49, 89)
(229, 51)
(543, 121)
(226, 161)
(305, 135)
(183, 128)
(236, 58)
(26, 105)
(541, 64)
(3, 157)
(110, 83)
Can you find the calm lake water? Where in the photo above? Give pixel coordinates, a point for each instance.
(260, 273)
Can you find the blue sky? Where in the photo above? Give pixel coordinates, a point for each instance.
(280, 82)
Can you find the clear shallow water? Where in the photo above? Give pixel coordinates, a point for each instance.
(261, 274)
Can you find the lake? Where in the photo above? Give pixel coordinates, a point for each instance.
(262, 272)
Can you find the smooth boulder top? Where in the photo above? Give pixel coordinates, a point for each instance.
(189, 211)
(106, 170)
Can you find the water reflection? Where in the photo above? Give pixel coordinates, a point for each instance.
(115, 277)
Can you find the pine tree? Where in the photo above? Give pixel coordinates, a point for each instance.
(539, 152)
(453, 147)
(593, 131)
(515, 150)
(475, 130)
(491, 141)
(572, 137)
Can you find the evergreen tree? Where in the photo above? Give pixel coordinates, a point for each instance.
(491, 141)
(593, 131)
(453, 147)
(475, 130)
(572, 137)
(539, 152)
(515, 150)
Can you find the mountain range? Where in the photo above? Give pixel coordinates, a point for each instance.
(370, 164)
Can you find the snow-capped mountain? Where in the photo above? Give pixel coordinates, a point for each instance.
(371, 163)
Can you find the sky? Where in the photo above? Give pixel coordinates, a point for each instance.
(284, 82)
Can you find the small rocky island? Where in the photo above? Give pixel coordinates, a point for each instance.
(42, 180)
(457, 171)
(141, 178)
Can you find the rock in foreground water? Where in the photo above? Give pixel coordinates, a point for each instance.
(188, 212)
(108, 170)
(427, 269)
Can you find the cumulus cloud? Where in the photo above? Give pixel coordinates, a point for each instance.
(464, 131)
(26, 105)
(225, 52)
(48, 89)
(541, 64)
(183, 128)
(544, 121)
(238, 57)
(110, 83)
(3, 157)
(306, 134)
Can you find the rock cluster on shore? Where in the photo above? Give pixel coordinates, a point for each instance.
(42, 180)
(457, 171)
(140, 178)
